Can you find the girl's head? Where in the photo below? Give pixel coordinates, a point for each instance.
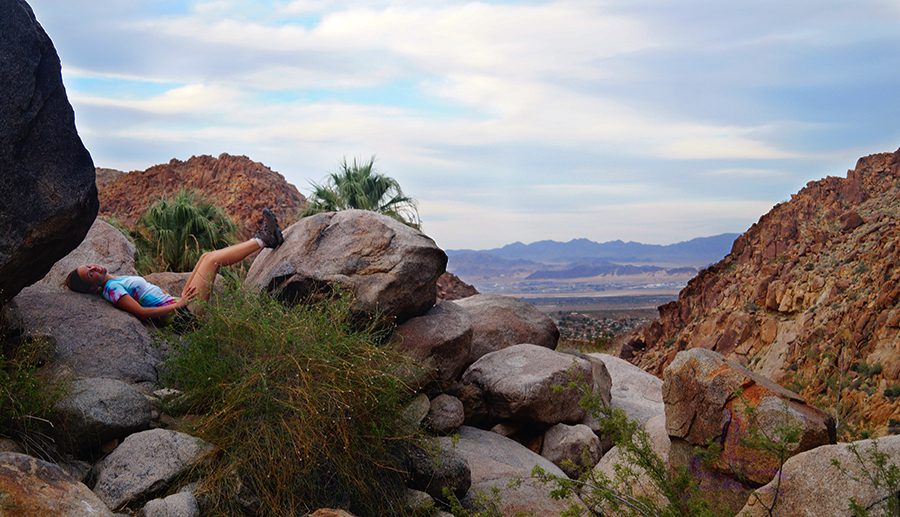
(87, 279)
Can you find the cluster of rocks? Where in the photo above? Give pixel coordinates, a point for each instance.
(490, 359)
(806, 293)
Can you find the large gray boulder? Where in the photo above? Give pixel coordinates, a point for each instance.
(92, 338)
(495, 461)
(518, 384)
(98, 410)
(503, 321)
(145, 463)
(31, 487)
(48, 198)
(103, 245)
(572, 448)
(810, 485)
(440, 341)
(633, 390)
(391, 269)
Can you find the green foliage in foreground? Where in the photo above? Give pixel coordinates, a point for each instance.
(26, 395)
(175, 230)
(302, 405)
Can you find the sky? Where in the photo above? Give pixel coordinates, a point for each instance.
(656, 121)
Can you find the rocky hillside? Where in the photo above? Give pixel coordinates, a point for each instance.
(239, 185)
(807, 296)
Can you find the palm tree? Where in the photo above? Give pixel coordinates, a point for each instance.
(174, 231)
(358, 185)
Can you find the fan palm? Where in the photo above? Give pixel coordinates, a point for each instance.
(174, 231)
(358, 185)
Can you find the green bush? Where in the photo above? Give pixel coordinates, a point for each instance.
(175, 230)
(302, 405)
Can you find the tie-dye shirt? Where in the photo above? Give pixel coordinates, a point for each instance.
(143, 292)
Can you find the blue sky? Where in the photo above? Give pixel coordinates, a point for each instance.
(650, 120)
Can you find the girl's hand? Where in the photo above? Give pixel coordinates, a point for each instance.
(188, 294)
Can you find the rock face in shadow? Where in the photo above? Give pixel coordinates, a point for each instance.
(48, 198)
(390, 268)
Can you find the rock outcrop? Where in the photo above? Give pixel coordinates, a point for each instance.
(710, 400)
(48, 198)
(390, 268)
(807, 297)
(238, 185)
(450, 287)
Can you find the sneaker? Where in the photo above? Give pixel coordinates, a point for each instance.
(270, 234)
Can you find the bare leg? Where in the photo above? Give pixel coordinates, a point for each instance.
(204, 274)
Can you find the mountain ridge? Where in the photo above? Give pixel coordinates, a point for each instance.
(807, 297)
(693, 252)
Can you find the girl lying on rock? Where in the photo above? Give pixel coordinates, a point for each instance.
(147, 301)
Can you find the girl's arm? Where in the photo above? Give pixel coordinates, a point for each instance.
(129, 304)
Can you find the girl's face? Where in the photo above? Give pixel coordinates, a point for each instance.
(93, 274)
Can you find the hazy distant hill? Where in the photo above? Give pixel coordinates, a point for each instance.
(695, 252)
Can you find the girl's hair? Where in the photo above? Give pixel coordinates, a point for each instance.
(75, 283)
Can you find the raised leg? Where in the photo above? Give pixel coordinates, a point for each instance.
(204, 274)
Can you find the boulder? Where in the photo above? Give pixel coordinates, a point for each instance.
(31, 487)
(503, 321)
(92, 338)
(446, 414)
(103, 245)
(810, 483)
(182, 504)
(145, 463)
(48, 198)
(98, 410)
(633, 390)
(496, 461)
(415, 412)
(659, 442)
(391, 269)
(572, 448)
(440, 341)
(710, 399)
(435, 470)
(517, 383)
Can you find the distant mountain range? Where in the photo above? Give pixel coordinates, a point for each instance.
(555, 266)
(695, 252)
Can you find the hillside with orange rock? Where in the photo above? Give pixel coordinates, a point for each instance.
(807, 297)
(237, 184)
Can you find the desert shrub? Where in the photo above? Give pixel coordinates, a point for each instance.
(174, 231)
(301, 403)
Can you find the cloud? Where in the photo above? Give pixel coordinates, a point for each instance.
(546, 118)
